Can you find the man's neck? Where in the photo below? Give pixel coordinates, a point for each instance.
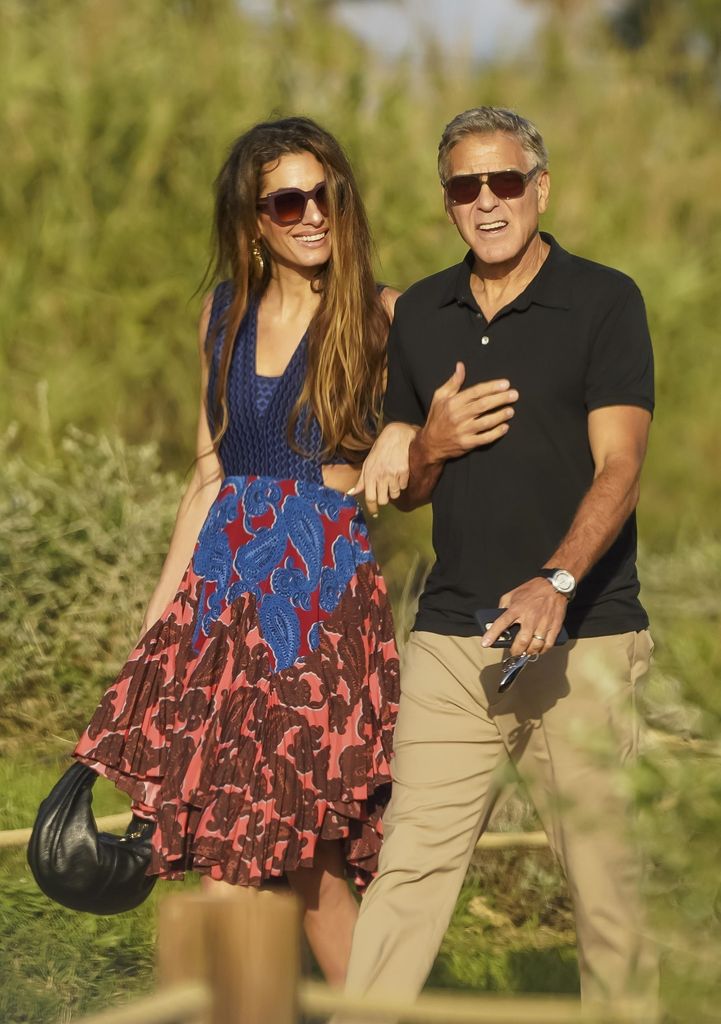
(494, 285)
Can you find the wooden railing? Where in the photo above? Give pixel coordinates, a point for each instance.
(181, 1004)
(235, 959)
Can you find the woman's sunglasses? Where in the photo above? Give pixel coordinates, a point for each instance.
(465, 188)
(287, 205)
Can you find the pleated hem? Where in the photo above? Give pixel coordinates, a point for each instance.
(181, 842)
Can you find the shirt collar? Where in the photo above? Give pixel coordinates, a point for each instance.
(550, 286)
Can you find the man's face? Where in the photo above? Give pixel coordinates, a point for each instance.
(497, 230)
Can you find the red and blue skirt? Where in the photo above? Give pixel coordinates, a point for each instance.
(256, 716)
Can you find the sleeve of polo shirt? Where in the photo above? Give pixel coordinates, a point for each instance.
(402, 403)
(620, 370)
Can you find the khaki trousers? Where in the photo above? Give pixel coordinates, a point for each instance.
(568, 723)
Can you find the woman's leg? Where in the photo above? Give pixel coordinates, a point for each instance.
(330, 910)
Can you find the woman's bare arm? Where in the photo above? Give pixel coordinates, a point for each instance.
(196, 501)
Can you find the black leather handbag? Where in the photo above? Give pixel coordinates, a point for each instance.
(79, 867)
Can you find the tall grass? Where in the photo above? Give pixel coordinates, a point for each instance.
(116, 114)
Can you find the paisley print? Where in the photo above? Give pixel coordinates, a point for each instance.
(294, 533)
(256, 715)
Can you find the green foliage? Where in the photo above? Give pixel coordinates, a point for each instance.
(115, 116)
(679, 795)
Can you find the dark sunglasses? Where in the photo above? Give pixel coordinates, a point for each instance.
(465, 188)
(287, 205)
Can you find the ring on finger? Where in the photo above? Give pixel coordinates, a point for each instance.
(542, 639)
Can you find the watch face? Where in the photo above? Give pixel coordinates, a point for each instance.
(563, 581)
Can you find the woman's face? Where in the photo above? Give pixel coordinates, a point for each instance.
(305, 245)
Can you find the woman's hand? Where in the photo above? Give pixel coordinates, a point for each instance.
(384, 473)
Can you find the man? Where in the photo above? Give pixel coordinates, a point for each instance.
(533, 512)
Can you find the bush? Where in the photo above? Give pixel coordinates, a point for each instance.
(82, 537)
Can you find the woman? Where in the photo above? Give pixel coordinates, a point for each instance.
(253, 721)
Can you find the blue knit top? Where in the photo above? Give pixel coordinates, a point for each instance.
(256, 440)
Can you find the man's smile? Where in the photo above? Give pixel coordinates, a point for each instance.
(493, 226)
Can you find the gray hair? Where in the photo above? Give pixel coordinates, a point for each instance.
(487, 121)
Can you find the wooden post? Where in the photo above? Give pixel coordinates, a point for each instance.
(244, 943)
(182, 950)
(255, 957)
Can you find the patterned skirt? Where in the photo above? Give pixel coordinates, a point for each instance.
(256, 715)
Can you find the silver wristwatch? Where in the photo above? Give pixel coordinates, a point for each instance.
(561, 580)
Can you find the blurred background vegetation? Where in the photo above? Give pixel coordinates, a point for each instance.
(114, 118)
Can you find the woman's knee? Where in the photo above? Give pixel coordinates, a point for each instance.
(324, 879)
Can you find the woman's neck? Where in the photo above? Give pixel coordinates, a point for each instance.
(290, 292)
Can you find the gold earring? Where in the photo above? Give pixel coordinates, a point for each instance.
(256, 257)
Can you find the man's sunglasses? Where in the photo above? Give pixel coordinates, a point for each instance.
(465, 188)
(287, 206)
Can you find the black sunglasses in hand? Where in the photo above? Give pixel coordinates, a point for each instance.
(512, 668)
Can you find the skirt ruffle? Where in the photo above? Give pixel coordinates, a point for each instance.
(256, 715)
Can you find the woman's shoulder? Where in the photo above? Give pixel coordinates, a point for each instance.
(388, 297)
(214, 304)
(217, 302)
(221, 298)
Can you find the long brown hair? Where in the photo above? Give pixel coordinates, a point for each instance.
(344, 381)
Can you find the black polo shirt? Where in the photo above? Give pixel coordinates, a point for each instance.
(574, 340)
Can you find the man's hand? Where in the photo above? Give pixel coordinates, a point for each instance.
(459, 421)
(538, 608)
(384, 473)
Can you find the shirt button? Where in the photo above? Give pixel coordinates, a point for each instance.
(485, 339)
(478, 316)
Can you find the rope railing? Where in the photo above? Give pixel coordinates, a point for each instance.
(21, 836)
(489, 841)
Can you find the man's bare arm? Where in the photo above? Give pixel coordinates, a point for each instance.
(618, 436)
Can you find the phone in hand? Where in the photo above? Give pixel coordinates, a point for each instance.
(485, 617)
(507, 636)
